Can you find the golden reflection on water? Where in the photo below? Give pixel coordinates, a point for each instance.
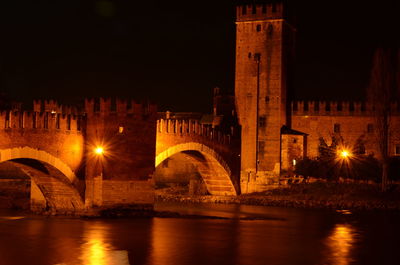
(340, 244)
(96, 251)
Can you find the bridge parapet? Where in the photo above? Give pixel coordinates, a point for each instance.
(192, 128)
(40, 120)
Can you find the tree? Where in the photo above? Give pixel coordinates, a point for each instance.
(381, 93)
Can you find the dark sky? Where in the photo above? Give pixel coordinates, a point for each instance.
(175, 52)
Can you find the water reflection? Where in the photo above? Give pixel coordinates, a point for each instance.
(96, 250)
(340, 244)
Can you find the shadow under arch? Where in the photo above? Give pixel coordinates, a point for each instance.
(210, 165)
(31, 153)
(53, 186)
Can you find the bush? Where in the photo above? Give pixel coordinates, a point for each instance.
(360, 168)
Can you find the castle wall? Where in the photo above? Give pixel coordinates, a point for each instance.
(354, 122)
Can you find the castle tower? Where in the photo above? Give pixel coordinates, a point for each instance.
(264, 52)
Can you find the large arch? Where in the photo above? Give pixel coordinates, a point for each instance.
(31, 153)
(53, 185)
(212, 167)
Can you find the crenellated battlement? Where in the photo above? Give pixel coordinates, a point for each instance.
(191, 128)
(336, 108)
(40, 120)
(259, 10)
(53, 106)
(119, 107)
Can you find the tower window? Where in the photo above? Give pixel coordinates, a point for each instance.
(274, 8)
(254, 9)
(370, 128)
(336, 128)
(267, 99)
(258, 28)
(262, 121)
(397, 149)
(249, 55)
(264, 8)
(270, 31)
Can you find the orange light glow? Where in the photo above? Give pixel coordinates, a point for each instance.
(99, 150)
(345, 154)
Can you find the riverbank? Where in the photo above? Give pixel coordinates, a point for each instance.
(319, 195)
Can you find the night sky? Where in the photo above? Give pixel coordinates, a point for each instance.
(175, 52)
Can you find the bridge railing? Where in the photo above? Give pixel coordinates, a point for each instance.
(192, 127)
(40, 120)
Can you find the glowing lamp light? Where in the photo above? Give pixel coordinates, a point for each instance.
(99, 150)
(345, 154)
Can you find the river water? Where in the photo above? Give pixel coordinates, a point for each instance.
(247, 235)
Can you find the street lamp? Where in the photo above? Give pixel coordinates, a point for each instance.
(99, 150)
(345, 154)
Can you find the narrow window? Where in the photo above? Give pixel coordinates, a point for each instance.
(336, 128)
(273, 8)
(295, 141)
(120, 129)
(21, 120)
(264, 8)
(69, 122)
(397, 149)
(57, 121)
(78, 123)
(34, 124)
(244, 10)
(46, 121)
(270, 30)
(254, 9)
(370, 128)
(258, 28)
(262, 121)
(249, 55)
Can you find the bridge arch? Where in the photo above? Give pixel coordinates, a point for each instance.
(212, 167)
(54, 187)
(31, 153)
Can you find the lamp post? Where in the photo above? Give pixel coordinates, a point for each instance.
(97, 182)
(99, 151)
(344, 157)
(257, 58)
(345, 154)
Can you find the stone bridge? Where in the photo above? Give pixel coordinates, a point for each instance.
(49, 149)
(215, 155)
(54, 147)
